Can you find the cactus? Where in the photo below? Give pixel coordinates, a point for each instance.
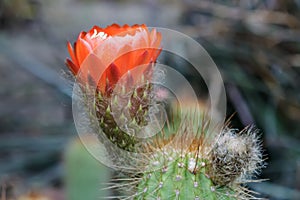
(185, 159)
(84, 175)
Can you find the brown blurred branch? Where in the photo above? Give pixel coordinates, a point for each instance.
(240, 104)
(258, 21)
(252, 16)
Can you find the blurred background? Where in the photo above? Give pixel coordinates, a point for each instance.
(255, 44)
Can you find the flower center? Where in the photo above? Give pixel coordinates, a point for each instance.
(101, 34)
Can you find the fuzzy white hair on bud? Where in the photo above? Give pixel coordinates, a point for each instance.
(236, 156)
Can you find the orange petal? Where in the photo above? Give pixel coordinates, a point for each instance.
(71, 66)
(82, 49)
(71, 52)
(112, 30)
(113, 73)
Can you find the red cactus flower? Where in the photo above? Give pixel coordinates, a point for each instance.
(119, 48)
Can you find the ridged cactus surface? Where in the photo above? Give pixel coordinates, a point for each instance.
(174, 175)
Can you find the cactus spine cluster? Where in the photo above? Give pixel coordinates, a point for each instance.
(134, 115)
